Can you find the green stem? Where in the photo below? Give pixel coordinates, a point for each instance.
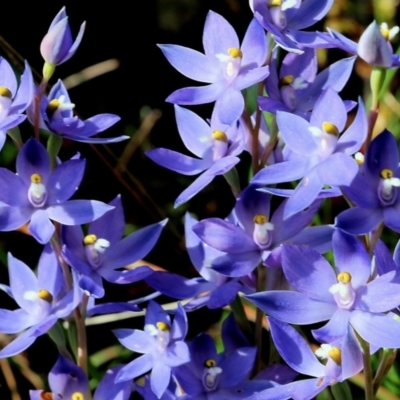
(240, 316)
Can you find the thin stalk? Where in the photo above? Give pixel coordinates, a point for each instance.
(37, 100)
(368, 381)
(374, 237)
(386, 362)
(78, 315)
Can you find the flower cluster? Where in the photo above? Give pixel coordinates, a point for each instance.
(269, 251)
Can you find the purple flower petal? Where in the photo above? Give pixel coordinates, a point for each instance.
(111, 225)
(224, 295)
(296, 133)
(14, 190)
(351, 257)
(254, 46)
(308, 272)
(12, 218)
(355, 135)
(135, 368)
(224, 236)
(304, 194)
(135, 340)
(49, 272)
(230, 105)
(33, 159)
(127, 275)
(133, 248)
(198, 95)
(15, 321)
(24, 340)
(194, 131)
(192, 63)
(358, 221)
(178, 162)
(222, 166)
(237, 264)
(218, 35)
(176, 354)
(382, 294)
(391, 216)
(64, 181)
(41, 227)
(77, 212)
(381, 330)
(108, 389)
(231, 374)
(292, 307)
(160, 378)
(337, 170)
(294, 349)
(286, 171)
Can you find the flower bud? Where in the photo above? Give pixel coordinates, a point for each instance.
(374, 48)
(57, 46)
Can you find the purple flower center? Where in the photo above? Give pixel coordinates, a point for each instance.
(37, 193)
(387, 191)
(211, 374)
(94, 249)
(220, 144)
(261, 232)
(343, 291)
(5, 102)
(57, 106)
(231, 63)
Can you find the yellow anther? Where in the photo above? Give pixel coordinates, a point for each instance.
(163, 326)
(286, 80)
(45, 295)
(4, 92)
(385, 32)
(46, 396)
(210, 363)
(330, 128)
(77, 396)
(219, 135)
(36, 178)
(89, 239)
(344, 277)
(386, 173)
(336, 355)
(274, 3)
(260, 219)
(359, 157)
(235, 52)
(52, 107)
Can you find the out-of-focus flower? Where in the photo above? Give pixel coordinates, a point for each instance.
(68, 381)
